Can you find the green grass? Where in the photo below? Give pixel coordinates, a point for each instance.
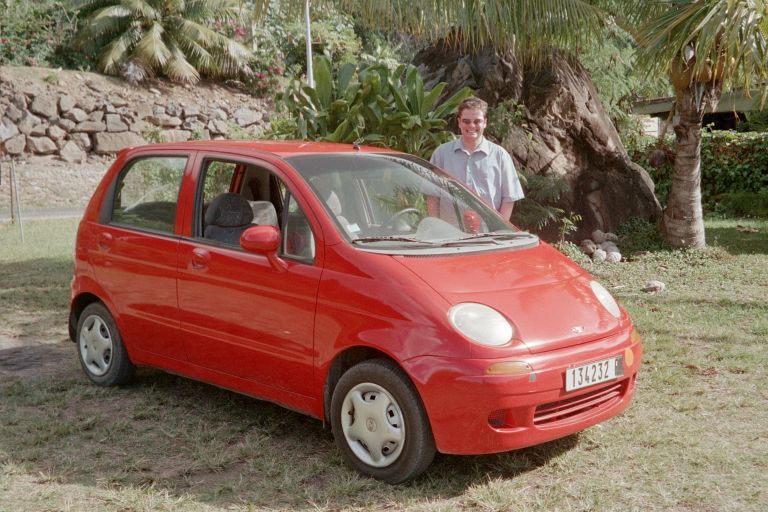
(34, 276)
(694, 439)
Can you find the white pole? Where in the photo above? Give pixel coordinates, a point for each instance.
(308, 35)
(15, 192)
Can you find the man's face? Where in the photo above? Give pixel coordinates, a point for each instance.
(472, 125)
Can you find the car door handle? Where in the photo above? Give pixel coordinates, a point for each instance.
(200, 259)
(105, 241)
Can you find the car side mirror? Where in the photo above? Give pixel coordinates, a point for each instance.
(264, 240)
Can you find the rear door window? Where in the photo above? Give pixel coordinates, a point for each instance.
(148, 194)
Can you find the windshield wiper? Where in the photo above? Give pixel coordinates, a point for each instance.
(489, 238)
(368, 239)
(510, 235)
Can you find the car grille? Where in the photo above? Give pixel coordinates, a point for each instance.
(568, 408)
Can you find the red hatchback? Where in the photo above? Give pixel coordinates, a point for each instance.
(363, 287)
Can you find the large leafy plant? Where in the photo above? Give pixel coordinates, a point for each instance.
(371, 104)
(171, 38)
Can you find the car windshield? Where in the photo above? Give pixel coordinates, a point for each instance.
(390, 201)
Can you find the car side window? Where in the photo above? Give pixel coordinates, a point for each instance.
(218, 179)
(297, 237)
(148, 193)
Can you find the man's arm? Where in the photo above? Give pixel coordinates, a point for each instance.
(506, 209)
(511, 189)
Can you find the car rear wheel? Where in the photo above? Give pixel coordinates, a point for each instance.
(379, 422)
(100, 348)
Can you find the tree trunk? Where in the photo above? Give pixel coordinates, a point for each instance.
(565, 132)
(682, 223)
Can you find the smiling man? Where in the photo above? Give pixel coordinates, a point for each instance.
(484, 167)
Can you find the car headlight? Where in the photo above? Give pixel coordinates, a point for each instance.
(481, 324)
(605, 298)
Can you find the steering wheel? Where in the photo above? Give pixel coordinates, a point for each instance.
(415, 212)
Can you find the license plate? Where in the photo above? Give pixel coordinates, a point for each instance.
(593, 373)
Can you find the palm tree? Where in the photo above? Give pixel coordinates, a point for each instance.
(174, 38)
(703, 45)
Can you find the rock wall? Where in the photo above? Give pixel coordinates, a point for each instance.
(62, 127)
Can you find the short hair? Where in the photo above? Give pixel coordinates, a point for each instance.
(474, 103)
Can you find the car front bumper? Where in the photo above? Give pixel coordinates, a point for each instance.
(472, 412)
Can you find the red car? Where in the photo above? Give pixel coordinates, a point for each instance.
(362, 287)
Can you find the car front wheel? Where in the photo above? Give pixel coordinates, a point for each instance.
(379, 422)
(100, 348)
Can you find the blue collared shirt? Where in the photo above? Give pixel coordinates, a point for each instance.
(488, 171)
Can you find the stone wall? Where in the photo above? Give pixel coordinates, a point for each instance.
(63, 127)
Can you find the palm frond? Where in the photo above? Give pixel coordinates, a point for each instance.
(711, 39)
(116, 53)
(205, 10)
(104, 20)
(179, 68)
(470, 24)
(142, 8)
(151, 48)
(203, 59)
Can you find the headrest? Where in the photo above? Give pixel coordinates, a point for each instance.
(263, 213)
(229, 210)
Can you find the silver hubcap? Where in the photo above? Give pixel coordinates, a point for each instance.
(96, 345)
(373, 426)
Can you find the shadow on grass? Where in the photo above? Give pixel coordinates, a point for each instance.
(34, 295)
(168, 433)
(738, 242)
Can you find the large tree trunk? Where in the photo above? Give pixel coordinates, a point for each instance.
(565, 132)
(682, 223)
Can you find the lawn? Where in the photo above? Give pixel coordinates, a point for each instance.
(695, 438)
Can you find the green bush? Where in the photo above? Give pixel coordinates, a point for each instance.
(333, 34)
(40, 34)
(266, 69)
(279, 47)
(741, 204)
(574, 252)
(730, 162)
(637, 235)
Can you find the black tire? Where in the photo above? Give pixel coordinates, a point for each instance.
(100, 348)
(400, 415)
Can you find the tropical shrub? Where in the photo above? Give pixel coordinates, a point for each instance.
(39, 34)
(741, 204)
(178, 40)
(638, 235)
(388, 48)
(730, 162)
(537, 211)
(281, 26)
(368, 104)
(756, 121)
(266, 69)
(332, 34)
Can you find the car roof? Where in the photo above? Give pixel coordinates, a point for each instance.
(280, 148)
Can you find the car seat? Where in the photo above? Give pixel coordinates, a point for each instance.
(227, 217)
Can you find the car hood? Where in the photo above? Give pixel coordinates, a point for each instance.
(546, 296)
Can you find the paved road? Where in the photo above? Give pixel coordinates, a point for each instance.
(41, 213)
